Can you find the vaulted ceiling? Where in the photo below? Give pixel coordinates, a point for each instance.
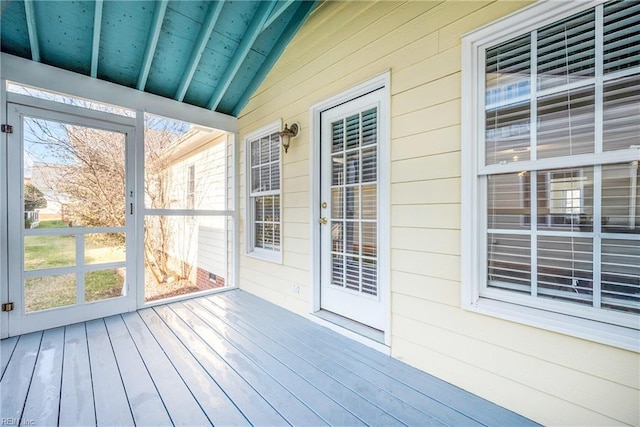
(212, 54)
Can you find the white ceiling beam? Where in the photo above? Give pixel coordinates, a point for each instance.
(249, 37)
(27, 72)
(152, 42)
(32, 29)
(97, 28)
(201, 42)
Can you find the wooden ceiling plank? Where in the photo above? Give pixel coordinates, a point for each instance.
(97, 28)
(32, 29)
(201, 42)
(152, 42)
(297, 20)
(249, 38)
(277, 12)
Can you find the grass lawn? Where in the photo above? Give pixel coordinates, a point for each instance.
(49, 292)
(43, 252)
(52, 223)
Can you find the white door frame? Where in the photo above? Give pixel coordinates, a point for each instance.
(4, 273)
(381, 82)
(48, 110)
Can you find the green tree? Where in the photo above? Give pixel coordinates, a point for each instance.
(33, 198)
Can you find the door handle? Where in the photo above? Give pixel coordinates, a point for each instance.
(323, 220)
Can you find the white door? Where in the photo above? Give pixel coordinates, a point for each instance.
(70, 216)
(350, 222)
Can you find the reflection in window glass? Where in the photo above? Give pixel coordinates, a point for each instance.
(621, 198)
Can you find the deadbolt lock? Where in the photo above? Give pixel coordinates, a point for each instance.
(324, 205)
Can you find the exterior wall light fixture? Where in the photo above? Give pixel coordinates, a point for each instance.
(288, 133)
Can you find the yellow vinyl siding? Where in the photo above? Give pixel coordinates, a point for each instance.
(486, 344)
(549, 377)
(429, 216)
(545, 408)
(446, 165)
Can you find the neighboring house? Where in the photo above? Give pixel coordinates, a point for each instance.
(31, 217)
(47, 178)
(455, 255)
(196, 180)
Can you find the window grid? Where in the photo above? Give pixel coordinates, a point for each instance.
(595, 160)
(354, 202)
(264, 195)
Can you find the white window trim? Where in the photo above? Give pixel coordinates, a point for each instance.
(473, 204)
(265, 255)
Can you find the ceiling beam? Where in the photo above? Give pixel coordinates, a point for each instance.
(201, 42)
(276, 13)
(97, 28)
(249, 37)
(32, 29)
(30, 73)
(301, 14)
(152, 42)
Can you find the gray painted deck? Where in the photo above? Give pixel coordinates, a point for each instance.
(226, 359)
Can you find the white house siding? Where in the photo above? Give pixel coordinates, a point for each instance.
(549, 377)
(200, 240)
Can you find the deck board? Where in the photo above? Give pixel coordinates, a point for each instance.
(144, 400)
(77, 406)
(286, 372)
(43, 399)
(182, 406)
(291, 409)
(328, 342)
(218, 407)
(6, 350)
(226, 359)
(16, 380)
(254, 407)
(111, 400)
(269, 386)
(334, 386)
(395, 399)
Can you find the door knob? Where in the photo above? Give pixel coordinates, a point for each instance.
(322, 220)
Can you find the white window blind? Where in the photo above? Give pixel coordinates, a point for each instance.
(354, 202)
(264, 194)
(563, 101)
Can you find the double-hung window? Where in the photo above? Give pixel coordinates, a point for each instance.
(551, 137)
(191, 187)
(264, 225)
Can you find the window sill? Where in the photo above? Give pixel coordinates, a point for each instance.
(591, 330)
(269, 256)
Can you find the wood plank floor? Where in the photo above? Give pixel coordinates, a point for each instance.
(227, 359)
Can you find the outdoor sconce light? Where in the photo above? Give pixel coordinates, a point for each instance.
(287, 134)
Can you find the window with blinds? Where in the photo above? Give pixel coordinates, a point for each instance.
(559, 166)
(264, 194)
(354, 202)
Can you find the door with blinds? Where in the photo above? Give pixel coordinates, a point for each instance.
(350, 143)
